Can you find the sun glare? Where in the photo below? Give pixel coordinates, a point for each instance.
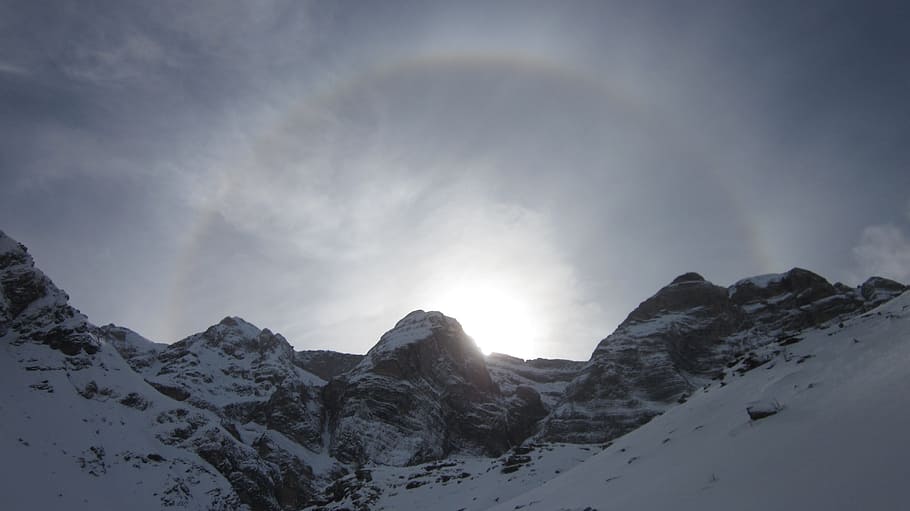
(498, 320)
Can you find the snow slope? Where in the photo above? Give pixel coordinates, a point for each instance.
(838, 441)
(468, 483)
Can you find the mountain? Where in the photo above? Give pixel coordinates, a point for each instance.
(683, 337)
(233, 418)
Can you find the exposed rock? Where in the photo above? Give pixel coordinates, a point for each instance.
(879, 290)
(761, 409)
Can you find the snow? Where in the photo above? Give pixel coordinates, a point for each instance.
(466, 482)
(838, 440)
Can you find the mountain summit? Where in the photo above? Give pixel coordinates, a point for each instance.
(423, 392)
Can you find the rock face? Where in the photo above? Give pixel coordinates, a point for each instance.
(684, 335)
(422, 392)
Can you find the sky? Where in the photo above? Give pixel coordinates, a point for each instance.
(534, 169)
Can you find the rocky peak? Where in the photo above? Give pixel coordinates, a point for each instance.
(12, 252)
(427, 345)
(37, 310)
(230, 368)
(425, 391)
(419, 326)
(803, 286)
(880, 289)
(688, 277)
(420, 317)
(686, 292)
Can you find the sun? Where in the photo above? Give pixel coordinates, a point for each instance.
(496, 317)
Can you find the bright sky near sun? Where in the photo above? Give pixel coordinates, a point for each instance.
(533, 169)
(496, 317)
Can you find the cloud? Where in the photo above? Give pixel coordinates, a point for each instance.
(884, 250)
(134, 56)
(6, 67)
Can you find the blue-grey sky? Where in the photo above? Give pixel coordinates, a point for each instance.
(323, 168)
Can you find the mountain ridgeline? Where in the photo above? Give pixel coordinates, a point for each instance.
(235, 418)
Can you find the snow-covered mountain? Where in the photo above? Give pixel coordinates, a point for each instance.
(234, 418)
(683, 336)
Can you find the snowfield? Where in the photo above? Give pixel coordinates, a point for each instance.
(839, 439)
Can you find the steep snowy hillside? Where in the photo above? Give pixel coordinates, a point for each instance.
(835, 439)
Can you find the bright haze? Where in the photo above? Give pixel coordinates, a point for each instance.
(532, 169)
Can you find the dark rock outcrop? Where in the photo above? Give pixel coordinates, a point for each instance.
(877, 290)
